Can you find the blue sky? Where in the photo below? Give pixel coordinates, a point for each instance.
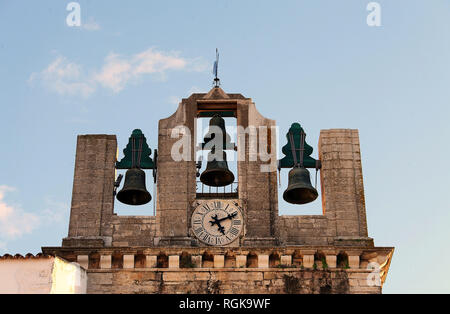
(315, 62)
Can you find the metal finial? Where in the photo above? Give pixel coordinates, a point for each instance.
(216, 70)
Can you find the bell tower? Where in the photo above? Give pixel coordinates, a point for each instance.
(222, 234)
(257, 197)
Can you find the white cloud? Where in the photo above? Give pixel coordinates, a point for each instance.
(16, 222)
(68, 78)
(115, 73)
(118, 70)
(64, 78)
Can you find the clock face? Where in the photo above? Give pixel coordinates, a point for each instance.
(217, 222)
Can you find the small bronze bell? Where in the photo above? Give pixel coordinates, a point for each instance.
(217, 172)
(299, 190)
(134, 191)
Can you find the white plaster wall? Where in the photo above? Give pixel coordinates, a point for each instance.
(41, 276)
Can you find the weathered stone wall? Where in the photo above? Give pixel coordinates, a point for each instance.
(295, 269)
(176, 179)
(92, 197)
(247, 281)
(133, 231)
(304, 230)
(342, 183)
(257, 185)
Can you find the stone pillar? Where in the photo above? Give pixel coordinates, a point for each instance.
(92, 196)
(128, 261)
(174, 261)
(331, 260)
(241, 261)
(151, 261)
(219, 261)
(176, 179)
(308, 261)
(83, 261)
(353, 261)
(197, 260)
(105, 261)
(257, 178)
(342, 186)
(286, 260)
(263, 261)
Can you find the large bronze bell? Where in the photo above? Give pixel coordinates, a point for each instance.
(219, 124)
(299, 190)
(134, 191)
(217, 172)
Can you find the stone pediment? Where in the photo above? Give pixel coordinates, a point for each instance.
(216, 93)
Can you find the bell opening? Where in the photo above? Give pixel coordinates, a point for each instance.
(217, 175)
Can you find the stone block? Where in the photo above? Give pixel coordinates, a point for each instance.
(308, 261)
(286, 260)
(83, 261)
(219, 261)
(241, 261)
(105, 261)
(197, 260)
(128, 261)
(353, 261)
(151, 261)
(331, 260)
(263, 261)
(174, 261)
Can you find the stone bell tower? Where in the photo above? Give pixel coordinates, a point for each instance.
(232, 241)
(258, 196)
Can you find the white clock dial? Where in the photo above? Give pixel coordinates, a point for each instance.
(217, 222)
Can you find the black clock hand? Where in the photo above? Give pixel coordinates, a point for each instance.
(230, 216)
(217, 222)
(221, 229)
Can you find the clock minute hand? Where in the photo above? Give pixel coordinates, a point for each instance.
(230, 216)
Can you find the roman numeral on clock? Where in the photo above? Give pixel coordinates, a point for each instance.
(199, 230)
(234, 231)
(197, 221)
